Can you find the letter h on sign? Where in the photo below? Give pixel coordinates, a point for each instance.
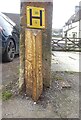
(35, 17)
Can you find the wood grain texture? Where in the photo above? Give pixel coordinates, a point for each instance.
(38, 86)
(46, 36)
(28, 61)
(33, 63)
(22, 58)
(36, 0)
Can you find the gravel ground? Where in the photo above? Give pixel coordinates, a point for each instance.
(10, 71)
(55, 102)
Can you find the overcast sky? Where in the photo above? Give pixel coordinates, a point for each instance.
(62, 9)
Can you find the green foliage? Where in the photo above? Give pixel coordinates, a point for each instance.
(58, 78)
(6, 95)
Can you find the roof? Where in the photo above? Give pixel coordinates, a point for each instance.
(14, 17)
(74, 18)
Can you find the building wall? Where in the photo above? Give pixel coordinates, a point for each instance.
(80, 29)
(74, 29)
(80, 22)
(71, 29)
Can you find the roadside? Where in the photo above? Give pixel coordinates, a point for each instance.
(55, 102)
(66, 61)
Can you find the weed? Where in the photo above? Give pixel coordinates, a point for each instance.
(58, 78)
(6, 95)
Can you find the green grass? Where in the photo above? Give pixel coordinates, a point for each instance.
(6, 95)
(58, 78)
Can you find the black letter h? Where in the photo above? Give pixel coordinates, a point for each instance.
(36, 17)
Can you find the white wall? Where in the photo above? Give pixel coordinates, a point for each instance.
(73, 29)
(80, 29)
(80, 23)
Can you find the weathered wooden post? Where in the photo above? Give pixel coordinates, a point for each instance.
(35, 46)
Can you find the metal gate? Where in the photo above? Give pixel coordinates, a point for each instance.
(66, 44)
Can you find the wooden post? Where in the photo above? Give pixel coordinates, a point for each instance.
(22, 59)
(33, 63)
(36, 47)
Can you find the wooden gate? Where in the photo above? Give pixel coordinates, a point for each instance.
(66, 44)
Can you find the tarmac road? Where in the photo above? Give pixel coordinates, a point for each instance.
(66, 61)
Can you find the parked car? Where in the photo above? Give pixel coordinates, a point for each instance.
(9, 38)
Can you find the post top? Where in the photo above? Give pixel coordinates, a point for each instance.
(36, 0)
